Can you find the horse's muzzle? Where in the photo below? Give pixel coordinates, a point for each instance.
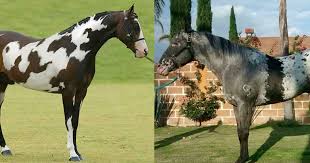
(162, 70)
(141, 53)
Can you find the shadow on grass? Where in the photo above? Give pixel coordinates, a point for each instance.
(175, 138)
(281, 130)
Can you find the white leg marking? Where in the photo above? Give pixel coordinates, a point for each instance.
(70, 144)
(5, 148)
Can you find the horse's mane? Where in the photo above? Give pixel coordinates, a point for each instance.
(226, 47)
(97, 16)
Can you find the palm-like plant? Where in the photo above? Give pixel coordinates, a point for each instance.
(158, 7)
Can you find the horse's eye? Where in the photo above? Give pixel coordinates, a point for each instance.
(136, 27)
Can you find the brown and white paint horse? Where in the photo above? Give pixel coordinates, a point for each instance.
(64, 63)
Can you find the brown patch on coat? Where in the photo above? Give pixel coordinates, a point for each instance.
(4, 79)
(76, 75)
(7, 49)
(64, 42)
(7, 37)
(68, 74)
(40, 42)
(35, 67)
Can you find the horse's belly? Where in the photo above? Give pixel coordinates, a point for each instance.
(36, 80)
(42, 82)
(34, 69)
(295, 84)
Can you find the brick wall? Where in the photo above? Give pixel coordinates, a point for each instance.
(225, 113)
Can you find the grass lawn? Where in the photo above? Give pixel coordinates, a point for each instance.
(115, 125)
(115, 63)
(220, 144)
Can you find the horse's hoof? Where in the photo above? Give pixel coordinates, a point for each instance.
(6, 153)
(75, 159)
(81, 158)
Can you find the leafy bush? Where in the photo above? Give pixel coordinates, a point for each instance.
(199, 106)
(298, 46)
(250, 41)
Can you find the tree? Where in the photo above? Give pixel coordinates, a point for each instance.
(289, 112)
(180, 11)
(233, 34)
(198, 105)
(204, 16)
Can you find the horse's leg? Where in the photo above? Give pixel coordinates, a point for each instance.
(79, 97)
(243, 114)
(72, 102)
(68, 103)
(5, 150)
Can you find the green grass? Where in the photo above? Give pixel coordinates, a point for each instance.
(115, 63)
(269, 143)
(114, 126)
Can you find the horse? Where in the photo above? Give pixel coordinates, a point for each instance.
(249, 77)
(64, 63)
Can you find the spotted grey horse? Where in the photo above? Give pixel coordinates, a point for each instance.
(249, 77)
(64, 63)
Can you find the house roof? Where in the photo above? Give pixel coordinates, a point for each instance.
(268, 42)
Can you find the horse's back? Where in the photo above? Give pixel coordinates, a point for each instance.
(9, 36)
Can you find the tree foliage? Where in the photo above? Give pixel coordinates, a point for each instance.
(200, 106)
(204, 17)
(233, 34)
(180, 11)
(250, 41)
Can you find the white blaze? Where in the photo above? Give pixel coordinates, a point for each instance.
(141, 44)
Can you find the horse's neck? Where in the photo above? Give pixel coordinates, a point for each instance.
(210, 58)
(91, 33)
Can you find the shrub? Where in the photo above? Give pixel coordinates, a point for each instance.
(298, 46)
(250, 41)
(200, 106)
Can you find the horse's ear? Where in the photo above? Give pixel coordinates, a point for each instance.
(188, 29)
(132, 9)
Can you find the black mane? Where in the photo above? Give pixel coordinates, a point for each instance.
(97, 16)
(226, 47)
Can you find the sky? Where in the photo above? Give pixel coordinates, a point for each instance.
(261, 15)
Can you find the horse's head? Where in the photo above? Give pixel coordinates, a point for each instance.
(179, 53)
(130, 33)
